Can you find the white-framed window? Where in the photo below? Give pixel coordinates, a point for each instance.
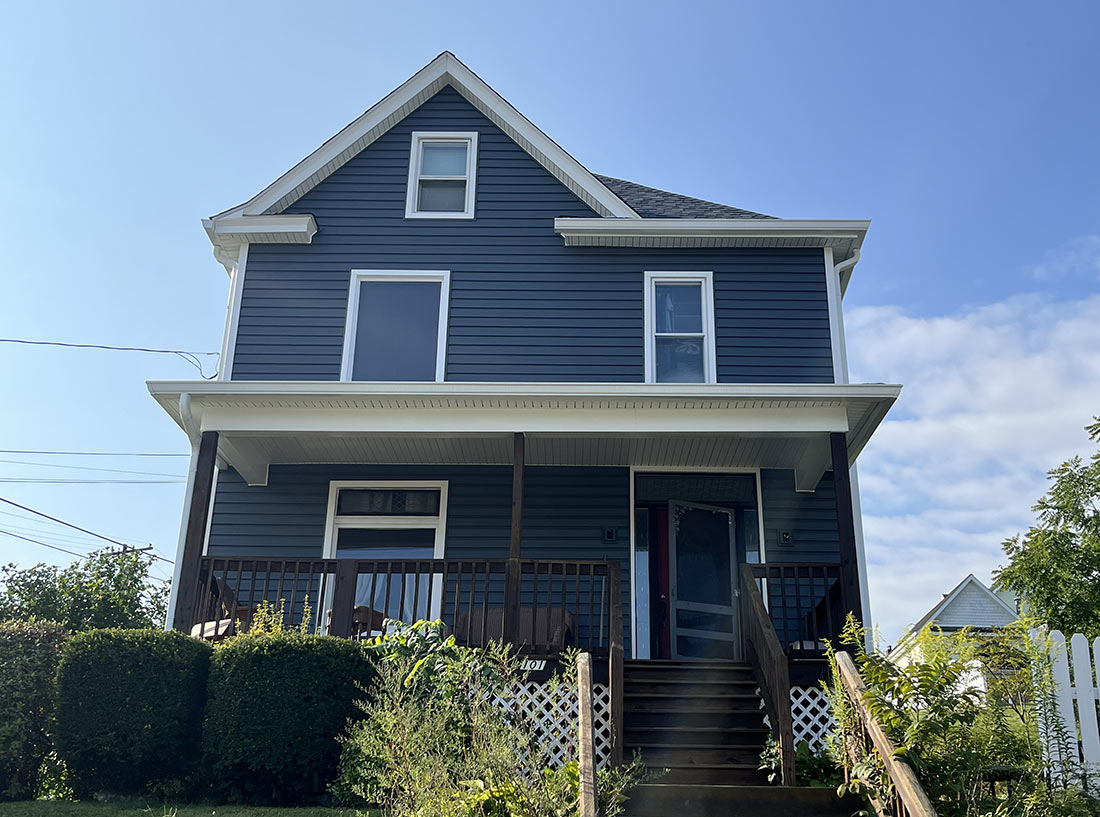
(442, 175)
(679, 327)
(396, 328)
(394, 523)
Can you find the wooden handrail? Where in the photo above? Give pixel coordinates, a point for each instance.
(770, 664)
(908, 798)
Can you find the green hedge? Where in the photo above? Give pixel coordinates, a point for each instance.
(29, 653)
(275, 707)
(129, 709)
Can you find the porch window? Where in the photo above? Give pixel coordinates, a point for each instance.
(396, 327)
(679, 327)
(392, 527)
(442, 175)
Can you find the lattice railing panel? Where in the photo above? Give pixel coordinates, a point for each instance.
(810, 715)
(553, 710)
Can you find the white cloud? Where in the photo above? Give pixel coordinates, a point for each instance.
(1079, 256)
(994, 397)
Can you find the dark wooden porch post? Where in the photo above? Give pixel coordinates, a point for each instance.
(512, 576)
(197, 517)
(846, 526)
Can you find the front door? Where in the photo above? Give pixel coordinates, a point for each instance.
(702, 582)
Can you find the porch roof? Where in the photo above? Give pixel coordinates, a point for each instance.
(649, 425)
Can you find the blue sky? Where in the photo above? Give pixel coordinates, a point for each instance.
(966, 131)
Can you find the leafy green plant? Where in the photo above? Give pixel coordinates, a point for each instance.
(29, 654)
(105, 589)
(441, 737)
(129, 709)
(277, 700)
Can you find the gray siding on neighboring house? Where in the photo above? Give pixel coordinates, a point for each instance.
(523, 306)
(809, 517)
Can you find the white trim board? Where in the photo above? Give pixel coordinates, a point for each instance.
(706, 281)
(446, 69)
(352, 321)
(233, 315)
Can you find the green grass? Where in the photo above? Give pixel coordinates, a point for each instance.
(135, 808)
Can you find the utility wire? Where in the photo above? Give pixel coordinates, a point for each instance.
(87, 468)
(87, 453)
(44, 544)
(35, 481)
(190, 357)
(76, 527)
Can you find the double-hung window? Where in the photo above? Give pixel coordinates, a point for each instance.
(442, 175)
(679, 327)
(391, 528)
(396, 326)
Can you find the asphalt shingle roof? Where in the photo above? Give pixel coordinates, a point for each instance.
(648, 202)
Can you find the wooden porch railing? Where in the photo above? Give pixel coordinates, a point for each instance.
(905, 798)
(806, 603)
(561, 603)
(770, 663)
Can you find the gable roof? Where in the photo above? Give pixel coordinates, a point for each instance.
(649, 202)
(446, 69)
(970, 584)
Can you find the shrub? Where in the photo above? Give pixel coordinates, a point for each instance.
(129, 709)
(29, 652)
(278, 700)
(440, 740)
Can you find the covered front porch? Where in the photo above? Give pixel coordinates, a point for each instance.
(644, 522)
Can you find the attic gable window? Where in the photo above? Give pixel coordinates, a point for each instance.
(442, 175)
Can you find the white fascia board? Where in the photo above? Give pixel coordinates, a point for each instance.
(402, 391)
(443, 70)
(229, 235)
(854, 230)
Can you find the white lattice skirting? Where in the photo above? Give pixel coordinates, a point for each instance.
(555, 716)
(810, 715)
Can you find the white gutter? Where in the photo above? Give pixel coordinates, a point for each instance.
(845, 267)
(187, 420)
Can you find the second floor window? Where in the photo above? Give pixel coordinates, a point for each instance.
(442, 175)
(679, 327)
(396, 326)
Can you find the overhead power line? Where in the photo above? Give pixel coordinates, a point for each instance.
(87, 453)
(183, 354)
(35, 481)
(87, 468)
(77, 527)
(44, 544)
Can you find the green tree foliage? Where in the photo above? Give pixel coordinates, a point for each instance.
(104, 590)
(129, 709)
(29, 652)
(965, 713)
(441, 737)
(1055, 566)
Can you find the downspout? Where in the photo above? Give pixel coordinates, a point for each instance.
(846, 266)
(190, 427)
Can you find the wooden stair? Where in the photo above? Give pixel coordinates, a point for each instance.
(701, 720)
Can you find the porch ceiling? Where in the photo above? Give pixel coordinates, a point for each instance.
(680, 426)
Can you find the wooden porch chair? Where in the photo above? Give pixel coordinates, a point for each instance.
(225, 625)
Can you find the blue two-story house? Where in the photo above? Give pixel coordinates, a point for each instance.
(463, 377)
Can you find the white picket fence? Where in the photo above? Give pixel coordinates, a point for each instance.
(1076, 675)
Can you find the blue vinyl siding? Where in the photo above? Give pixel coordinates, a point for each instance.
(809, 517)
(523, 307)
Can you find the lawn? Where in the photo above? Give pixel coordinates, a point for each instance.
(48, 808)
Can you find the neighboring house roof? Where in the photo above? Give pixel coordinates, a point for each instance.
(649, 202)
(970, 604)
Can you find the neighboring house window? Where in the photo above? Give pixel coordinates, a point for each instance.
(396, 326)
(390, 525)
(442, 175)
(679, 327)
